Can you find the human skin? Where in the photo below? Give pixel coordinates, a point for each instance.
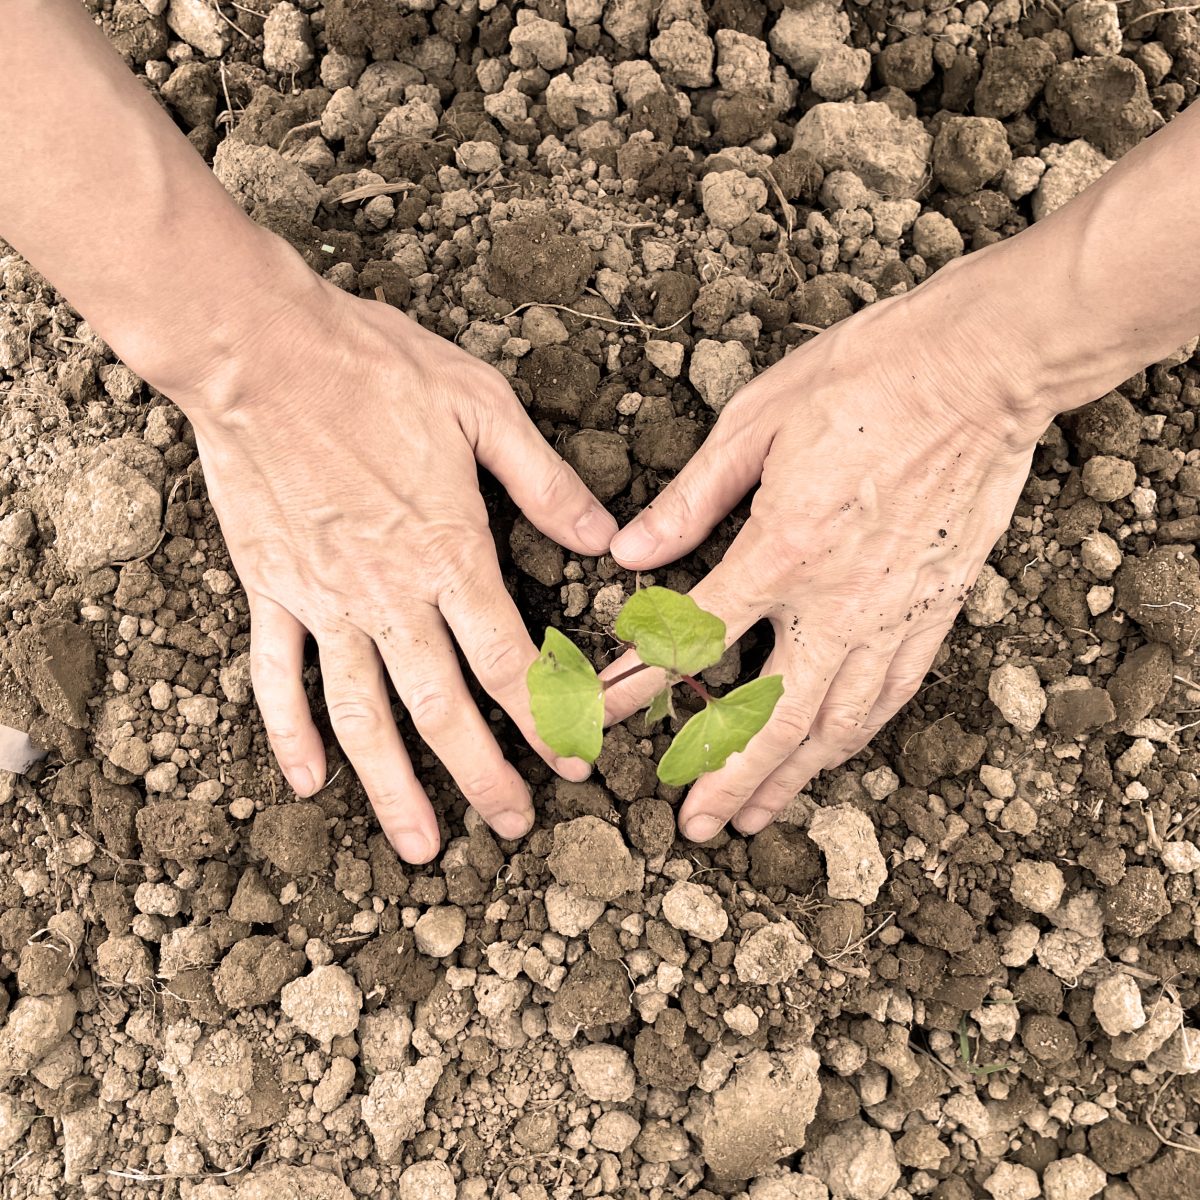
(891, 452)
(339, 442)
(339, 439)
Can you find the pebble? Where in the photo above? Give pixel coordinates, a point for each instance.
(718, 370)
(695, 910)
(1181, 858)
(855, 867)
(684, 52)
(1038, 886)
(1011, 1181)
(201, 711)
(615, 1131)
(1106, 478)
(15, 1119)
(335, 1084)
(569, 913)
(1069, 169)
(287, 40)
(199, 24)
(1117, 1003)
(991, 599)
(603, 1073)
(666, 357)
(888, 153)
(427, 1180)
(325, 1003)
(536, 41)
(440, 930)
(1018, 693)
(802, 35)
(856, 1161)
(840, 72)
(1019, 817)
(731, 197)
(999, 782)
(881, 783)
(1095, 27)
(742, 1019)
(771, 954)
(394, 1106)
(590, 856)
(1074, 1178)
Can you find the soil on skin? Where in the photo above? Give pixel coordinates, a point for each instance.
(982, 981)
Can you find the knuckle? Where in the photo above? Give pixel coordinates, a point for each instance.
(355, 718)
(894, 697)
(790, 723)
(841, 726)
(430, 708)
(555, 485)
(499, 662)
(483, 790)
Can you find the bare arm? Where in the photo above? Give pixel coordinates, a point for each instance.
(339, 438)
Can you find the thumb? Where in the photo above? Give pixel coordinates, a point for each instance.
(542, 485)
(685, 512)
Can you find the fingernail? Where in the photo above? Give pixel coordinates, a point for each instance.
(411, 844)
(634, 543)
(302, 779)
(753, 820)
(595, 529)
(511, 824)
(700, 829)
(574, 770)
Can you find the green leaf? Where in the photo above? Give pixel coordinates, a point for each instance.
(721, 728)
(567, 699)
(661, 706)
(670, 630)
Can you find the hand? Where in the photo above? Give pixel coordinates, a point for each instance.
(340, 454)
(889, 466)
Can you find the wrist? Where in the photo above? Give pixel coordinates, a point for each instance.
(204, 348)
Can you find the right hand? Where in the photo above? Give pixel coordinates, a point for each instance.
(339, 445)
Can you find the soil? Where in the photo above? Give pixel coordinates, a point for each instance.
(978, 977)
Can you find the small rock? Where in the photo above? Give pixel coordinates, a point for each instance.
(666, 357)
(855, 867)
(1136, 904)
(1017, 692)
(970, 152)
(856, 1161)
(1074, 1178)
(34, 1027)
(1069, 169)
(693, 909)
(325, 1003)
(615, 1131)
(718, 370)
(536, 41)
(15, 1120)
(590, 856)
(1038, 886)
(569, 913)
(685, 53)
(1095, 27)
(427, 1180)
(731, 197)
(760, 1114)
(601, 460)
(335, 1084)
(1011, 1181)
(991, 599)
(803, 34)
(394, 1106)
(999, 782)
(840, 72)
(771, 954)
(888, 153)
(287, 40)
(603, 1073)
(1106, 478)
(199, 24)
(440, 930)
(1117, 1003)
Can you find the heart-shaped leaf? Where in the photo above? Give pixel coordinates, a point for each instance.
(671, 631)
(567, 699)
(721, 728)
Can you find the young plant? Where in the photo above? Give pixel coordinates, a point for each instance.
(666, 630)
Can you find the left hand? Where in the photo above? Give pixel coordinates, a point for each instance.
(890, 459)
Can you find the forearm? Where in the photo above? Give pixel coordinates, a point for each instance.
(103, 194)
(1104, 286)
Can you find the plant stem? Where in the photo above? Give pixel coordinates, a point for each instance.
(625, 675)
(696, 687)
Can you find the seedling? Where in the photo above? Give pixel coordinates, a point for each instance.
(666, 630)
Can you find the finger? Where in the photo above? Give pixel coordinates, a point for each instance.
(276, 670)
(487, 626)
(808, 672)
(361, 715)
(429, 682)
(906, 674)
(541, 484)
(728, 591)
(684, 513)
(840, 730)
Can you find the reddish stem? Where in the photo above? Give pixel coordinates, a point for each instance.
(696, 687)
(694, 684)
(624, 675)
